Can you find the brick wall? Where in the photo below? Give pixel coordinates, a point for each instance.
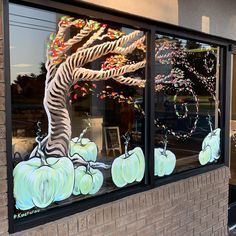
(3, 168)
(194, 206)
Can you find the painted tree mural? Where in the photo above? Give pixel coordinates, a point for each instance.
(61, 165)
(64, 71)
(189, 64)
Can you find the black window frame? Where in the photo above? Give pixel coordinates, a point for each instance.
(150, 182)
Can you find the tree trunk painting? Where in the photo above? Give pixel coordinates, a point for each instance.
(70, 70)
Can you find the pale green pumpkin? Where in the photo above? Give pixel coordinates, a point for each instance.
(159, 164)
(116, 172)
(213, 140)
(43, 186)
(205, 155)
(128, 168)
(164, 162)
(97, 180)
(87, 180)
(141, 167)
(37, 184)
(84, 147)
(170, 162)
(21, 188)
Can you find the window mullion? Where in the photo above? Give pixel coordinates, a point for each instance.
(149, 108)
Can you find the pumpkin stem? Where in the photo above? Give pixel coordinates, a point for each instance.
(39, 139)
(127, 139)
(88, 167)
(165, 141)
(209, 119)
(84, 130)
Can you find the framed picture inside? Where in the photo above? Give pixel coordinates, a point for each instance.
(112, 139)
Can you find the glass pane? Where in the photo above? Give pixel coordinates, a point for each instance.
(186, 105)
(77, 108)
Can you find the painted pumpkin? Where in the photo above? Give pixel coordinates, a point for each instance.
(205, 155)
(213, 140)
(84, 147)
(87, 180)
(37, 184)
(164, 163)
(128, 168)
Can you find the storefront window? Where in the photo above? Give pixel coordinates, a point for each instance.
(186, 105)
(84, 124)
(77, 88)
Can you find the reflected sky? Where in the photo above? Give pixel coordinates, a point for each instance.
(29, 31)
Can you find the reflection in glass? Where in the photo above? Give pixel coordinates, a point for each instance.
(186, 105)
